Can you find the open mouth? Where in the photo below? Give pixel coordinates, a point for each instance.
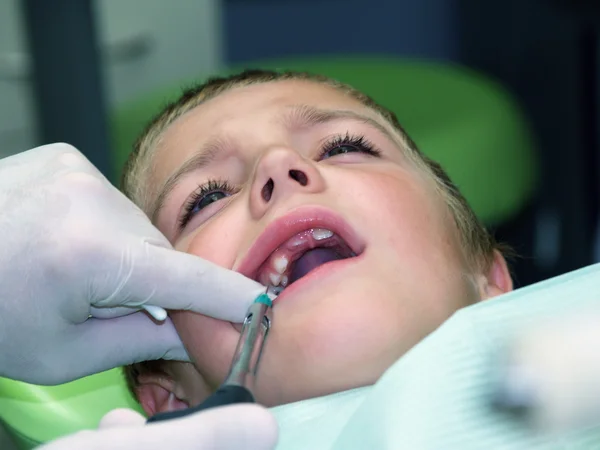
(295, 245)
(300, 255)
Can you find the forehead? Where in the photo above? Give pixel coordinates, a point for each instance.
(243, 108)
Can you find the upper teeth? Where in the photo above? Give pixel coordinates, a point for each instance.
(280, 262)
(275, 279)
(321, 233)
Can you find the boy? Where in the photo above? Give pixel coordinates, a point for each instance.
(299, 181)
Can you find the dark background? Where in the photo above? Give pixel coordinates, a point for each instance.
(544, 51)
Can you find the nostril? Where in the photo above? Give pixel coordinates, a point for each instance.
(267, 190)
(299, 176)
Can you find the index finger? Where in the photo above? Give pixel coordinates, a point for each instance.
(180, 281)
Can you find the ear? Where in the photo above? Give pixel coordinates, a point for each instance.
(156, 394)
(498, 280)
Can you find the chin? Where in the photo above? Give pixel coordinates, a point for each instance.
(272, 392)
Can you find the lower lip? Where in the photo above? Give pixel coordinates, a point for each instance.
(314, 276)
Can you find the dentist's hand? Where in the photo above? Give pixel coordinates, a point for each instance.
(250, 427)
(73, 247)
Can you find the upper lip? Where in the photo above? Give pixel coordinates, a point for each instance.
(287, 226)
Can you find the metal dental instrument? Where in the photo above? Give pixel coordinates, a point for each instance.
(237, 387)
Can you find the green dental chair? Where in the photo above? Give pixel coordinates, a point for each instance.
(468, 123)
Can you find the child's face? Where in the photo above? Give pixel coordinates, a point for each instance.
(343, 325)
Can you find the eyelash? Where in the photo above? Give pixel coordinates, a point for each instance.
(358, 142)
(202, 191)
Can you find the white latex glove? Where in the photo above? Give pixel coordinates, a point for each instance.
(248, 427)
(74, 246)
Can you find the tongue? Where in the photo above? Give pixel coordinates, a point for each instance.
(311, 260)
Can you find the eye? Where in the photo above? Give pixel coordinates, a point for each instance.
(208, 199)
(347, 143)
(206, 194)
(339, 150)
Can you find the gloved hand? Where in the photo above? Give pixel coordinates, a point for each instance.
(74, 246)
(234, 427)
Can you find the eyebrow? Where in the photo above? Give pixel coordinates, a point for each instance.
(207, 154)
(299, 116)
(304, 116)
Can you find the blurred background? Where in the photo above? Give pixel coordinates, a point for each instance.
(504, 94)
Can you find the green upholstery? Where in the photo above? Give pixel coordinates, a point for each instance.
(459, 118)
(36, 414)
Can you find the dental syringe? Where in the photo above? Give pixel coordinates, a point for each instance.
(238, 385)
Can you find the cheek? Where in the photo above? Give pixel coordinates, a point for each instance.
(217, 241)
(397, 207)
(415, 246)
(209, 342)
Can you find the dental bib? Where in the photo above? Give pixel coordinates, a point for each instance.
(316, 423)
(438, 395)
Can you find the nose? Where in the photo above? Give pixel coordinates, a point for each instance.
(281, 173)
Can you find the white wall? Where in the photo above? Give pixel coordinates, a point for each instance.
(184, 39)
(145, 44)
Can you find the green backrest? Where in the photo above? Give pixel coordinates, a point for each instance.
(459, 118)
(35, 414)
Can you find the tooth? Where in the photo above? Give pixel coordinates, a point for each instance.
(297, 241)
(263, 278)
(284, 281)
(275, 279)
(281, 264)
(171, 399)
(320, 233)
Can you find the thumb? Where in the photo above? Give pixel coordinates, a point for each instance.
(175, 280)
(229, 427)
(121, 417)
